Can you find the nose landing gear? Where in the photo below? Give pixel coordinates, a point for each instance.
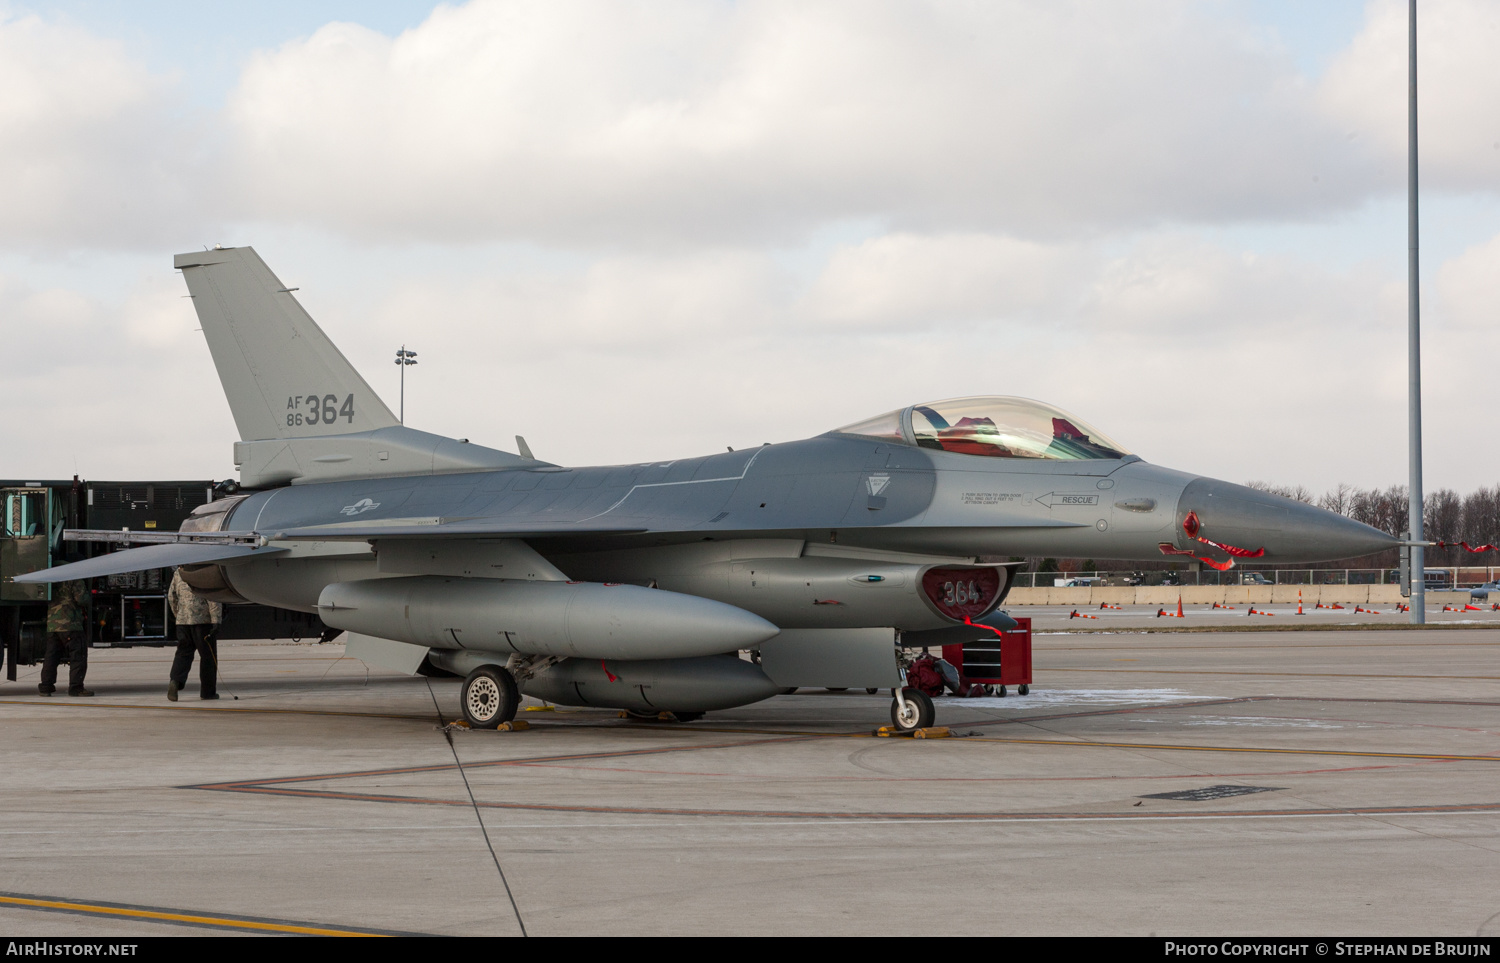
(911, 709)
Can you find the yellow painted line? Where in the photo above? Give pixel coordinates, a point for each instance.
(89, 704)
(1434, 756)
(165, 917)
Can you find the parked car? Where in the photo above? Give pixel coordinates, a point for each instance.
(1254, 578)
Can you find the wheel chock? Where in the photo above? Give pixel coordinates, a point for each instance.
(932, 732)
(886, 732)
(541, 708)
(515, 725)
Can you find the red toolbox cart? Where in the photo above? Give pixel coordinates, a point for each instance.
(1001, 660)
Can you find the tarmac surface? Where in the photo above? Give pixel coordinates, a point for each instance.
(1365, 767)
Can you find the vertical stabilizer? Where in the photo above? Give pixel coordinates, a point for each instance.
(281, 374)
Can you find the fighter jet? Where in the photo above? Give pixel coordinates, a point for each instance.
(685, 586)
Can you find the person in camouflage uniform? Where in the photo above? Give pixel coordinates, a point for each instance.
(197, 631)
(67, 618)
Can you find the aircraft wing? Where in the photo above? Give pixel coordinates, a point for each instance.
(152, 556)
(500, 527)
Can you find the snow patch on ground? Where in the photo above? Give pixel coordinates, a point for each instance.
(1057, 698)
(1260, 721)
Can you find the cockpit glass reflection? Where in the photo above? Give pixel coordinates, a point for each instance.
(992, 426)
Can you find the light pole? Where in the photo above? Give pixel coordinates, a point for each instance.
(1417, 568)
(404, 358)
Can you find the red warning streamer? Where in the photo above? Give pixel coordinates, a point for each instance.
(978, 626)
(1467, 546)
(1167, 549)
(1192, 527)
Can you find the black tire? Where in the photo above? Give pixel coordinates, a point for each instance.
(871, 691)
(489, 697)
(922, 711)
(1023, 689)
(1002, 693)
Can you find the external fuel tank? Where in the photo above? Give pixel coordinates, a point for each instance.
(591, 620)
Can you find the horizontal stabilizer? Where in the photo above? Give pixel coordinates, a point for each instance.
(152, 556)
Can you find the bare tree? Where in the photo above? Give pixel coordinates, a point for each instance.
(1482, 517)
(1442, 521)
(1339, 498)
(1297, 493)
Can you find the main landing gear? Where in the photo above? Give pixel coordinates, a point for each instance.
(911, 709)
(489, 697)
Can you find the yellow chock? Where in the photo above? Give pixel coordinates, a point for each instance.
(623, 715)
(886, 732)
(541, 708)
(933, 732)
(515, 725)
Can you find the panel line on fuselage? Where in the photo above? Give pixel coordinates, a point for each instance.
(269, 499)
(691, 481)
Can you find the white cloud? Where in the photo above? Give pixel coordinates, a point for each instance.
(92, 154)
(1365, 90)
(111, 386)
(914, 281)
(1468, 293)
(594, 121)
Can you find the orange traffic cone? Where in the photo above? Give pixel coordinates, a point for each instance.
(1179, 607)
(1299, 602)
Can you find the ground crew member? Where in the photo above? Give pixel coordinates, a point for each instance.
(197, 631)
(67, 615)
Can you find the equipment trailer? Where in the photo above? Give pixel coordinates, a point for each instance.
(129, 609)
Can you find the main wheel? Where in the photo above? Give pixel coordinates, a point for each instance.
(489, 697)
(918, 714)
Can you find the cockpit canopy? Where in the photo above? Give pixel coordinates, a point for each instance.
(992, 425)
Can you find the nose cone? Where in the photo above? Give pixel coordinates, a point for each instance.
(1289, 531)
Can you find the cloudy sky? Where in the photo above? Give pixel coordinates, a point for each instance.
(643, 230)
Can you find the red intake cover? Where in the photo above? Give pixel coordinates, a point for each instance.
(961, 593)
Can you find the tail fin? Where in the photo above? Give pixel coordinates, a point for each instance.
(281, 374)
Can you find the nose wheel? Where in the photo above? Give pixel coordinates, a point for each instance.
(912, 709)
(489, 697)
